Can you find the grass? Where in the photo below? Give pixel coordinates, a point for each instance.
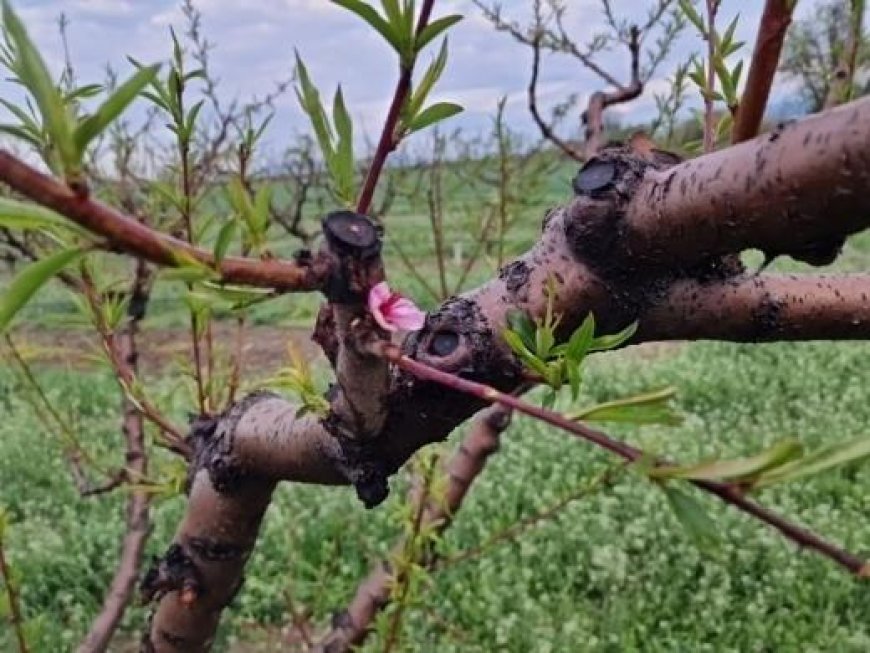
(613, 573)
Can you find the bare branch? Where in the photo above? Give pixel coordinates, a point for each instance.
(126, 234)
(123, 584)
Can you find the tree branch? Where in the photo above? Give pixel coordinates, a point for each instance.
(136, 458)
(125, 234)
(759, 308)
(798, 190)
(772, 29)
(353, 624)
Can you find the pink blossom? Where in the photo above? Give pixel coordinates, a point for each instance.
(393, 311)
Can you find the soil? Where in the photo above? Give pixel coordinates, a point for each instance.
(265, 347)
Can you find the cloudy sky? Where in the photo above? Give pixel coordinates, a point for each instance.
(255, 41)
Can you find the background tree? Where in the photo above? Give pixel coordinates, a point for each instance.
(828, 53)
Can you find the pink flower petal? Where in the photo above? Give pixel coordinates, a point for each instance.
(392, 311)
(379, 294)
(405, 315)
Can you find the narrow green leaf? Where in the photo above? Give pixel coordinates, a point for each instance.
(262, 207)
(606, 343)
(435, 113)
(698, 525)
(581, 340)
(648, 408)
(309, 99)
(430, 77)
(737, 469)
(343, 163)
(693, 16)
(435, 28)
(30, 280)
(373, 18)
(24, 216)
(520, 322)
(224, 239)
(113, 106)
(23, 134)
(37, 79)
(819, 461)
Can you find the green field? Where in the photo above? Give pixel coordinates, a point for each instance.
(612, 573)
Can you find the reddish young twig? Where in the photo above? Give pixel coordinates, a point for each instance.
(765, 59)
(729, 494)
(124, 233)
(388, 140)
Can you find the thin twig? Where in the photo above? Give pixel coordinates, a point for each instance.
(730, 494)
(512, 532)
(388, 140)
(13, 599)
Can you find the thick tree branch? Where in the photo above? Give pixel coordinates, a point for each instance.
(772, 29)
(798, 190)
(758, 308)
(125, 234)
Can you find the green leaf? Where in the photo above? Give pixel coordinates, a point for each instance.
(648, 408)
(113, 106)
(430, 77)
(26, 216)
(37, 80)
(581, 340)
(693, 16)
(224, 240)
(435, 113)
(736, 469)
(606, 343)
(262, 207)
(816, 462)
(31, 279)
(520, 322)
(373, 18)
(435, 28)
(342, 164)
(309, 99)
(693, 518)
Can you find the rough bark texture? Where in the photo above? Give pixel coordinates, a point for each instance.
(641, 236)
